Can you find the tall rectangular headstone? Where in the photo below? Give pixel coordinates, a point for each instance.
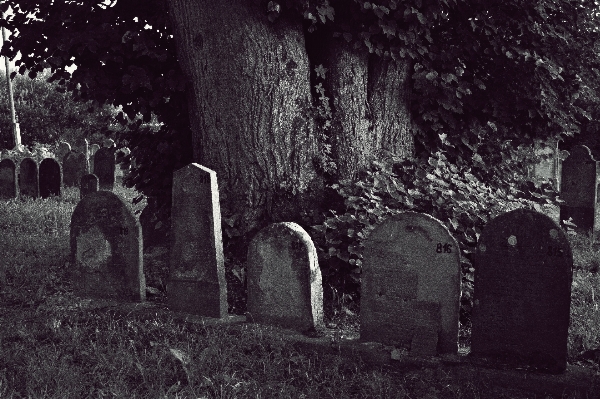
(410, 291)
(522, 292)
(104, 167)
(197, 276)
(8, 179)
(28, 178)
(284, 279)
(578, 188)
(50, 178)
(106, 249)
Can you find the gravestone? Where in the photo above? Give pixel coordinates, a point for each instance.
(8, 179)
(28, 178)
(106, 249)
(522, 292)
(50, 178)
(62, 150)
(92, 151)
(284, 279)
(578, 188)
(104, 168)
(89, 184)
(411, 285)
(197, 276)
(73, 168)
(108, 143)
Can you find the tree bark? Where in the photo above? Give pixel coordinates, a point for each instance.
(346, 85)
(251, 90)
(388, 95)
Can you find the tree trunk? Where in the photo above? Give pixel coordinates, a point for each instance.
(251, 90)
(370, 106)
(346, 85)
(388, 95)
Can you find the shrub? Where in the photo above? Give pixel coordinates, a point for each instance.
(463, 203)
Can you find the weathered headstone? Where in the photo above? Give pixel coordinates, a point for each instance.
(8, 179)
(106, 249)
(28, 178)
(89, 184)
(92, 151)
(578, 188)
(73, 168)
(108, 143)
(104, 168)
(522, 292)
(62, 150)
(50, 178)
(411, 285)
(197, 276)
(284, 279)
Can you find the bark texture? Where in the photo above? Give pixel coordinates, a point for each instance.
(388, 95)
(251, 88)
(347, 84)
(371, 106)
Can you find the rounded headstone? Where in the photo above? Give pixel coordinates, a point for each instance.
(410, 292)
(28, 178)
(89, 184)
(73, 168)
(284, 279)
(108, 143)
(8, 179)
(62, 149)
(522, 292)
(106, 249)
(50, 178)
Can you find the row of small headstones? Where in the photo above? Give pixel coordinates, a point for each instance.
(47, 179)
(411, 275)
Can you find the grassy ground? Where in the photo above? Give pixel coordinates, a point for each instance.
(51, 346)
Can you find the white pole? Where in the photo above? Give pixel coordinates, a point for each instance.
(15, 126)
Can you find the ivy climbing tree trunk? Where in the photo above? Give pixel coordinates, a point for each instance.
(250, 94)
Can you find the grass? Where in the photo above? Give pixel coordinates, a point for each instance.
(52, 346)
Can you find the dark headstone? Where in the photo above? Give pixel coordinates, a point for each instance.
(197, 276)
(284, 279)
(104, 167)
(106, 249)
(73, 168)
(410, 291)
(89, 184)
(8, 179)
(578, 188)
(28, 178)
(50, 178)
(522, 292)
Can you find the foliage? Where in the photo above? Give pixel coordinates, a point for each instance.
(439, 188)
(116, 53)
(46, 115)
(484, 72)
